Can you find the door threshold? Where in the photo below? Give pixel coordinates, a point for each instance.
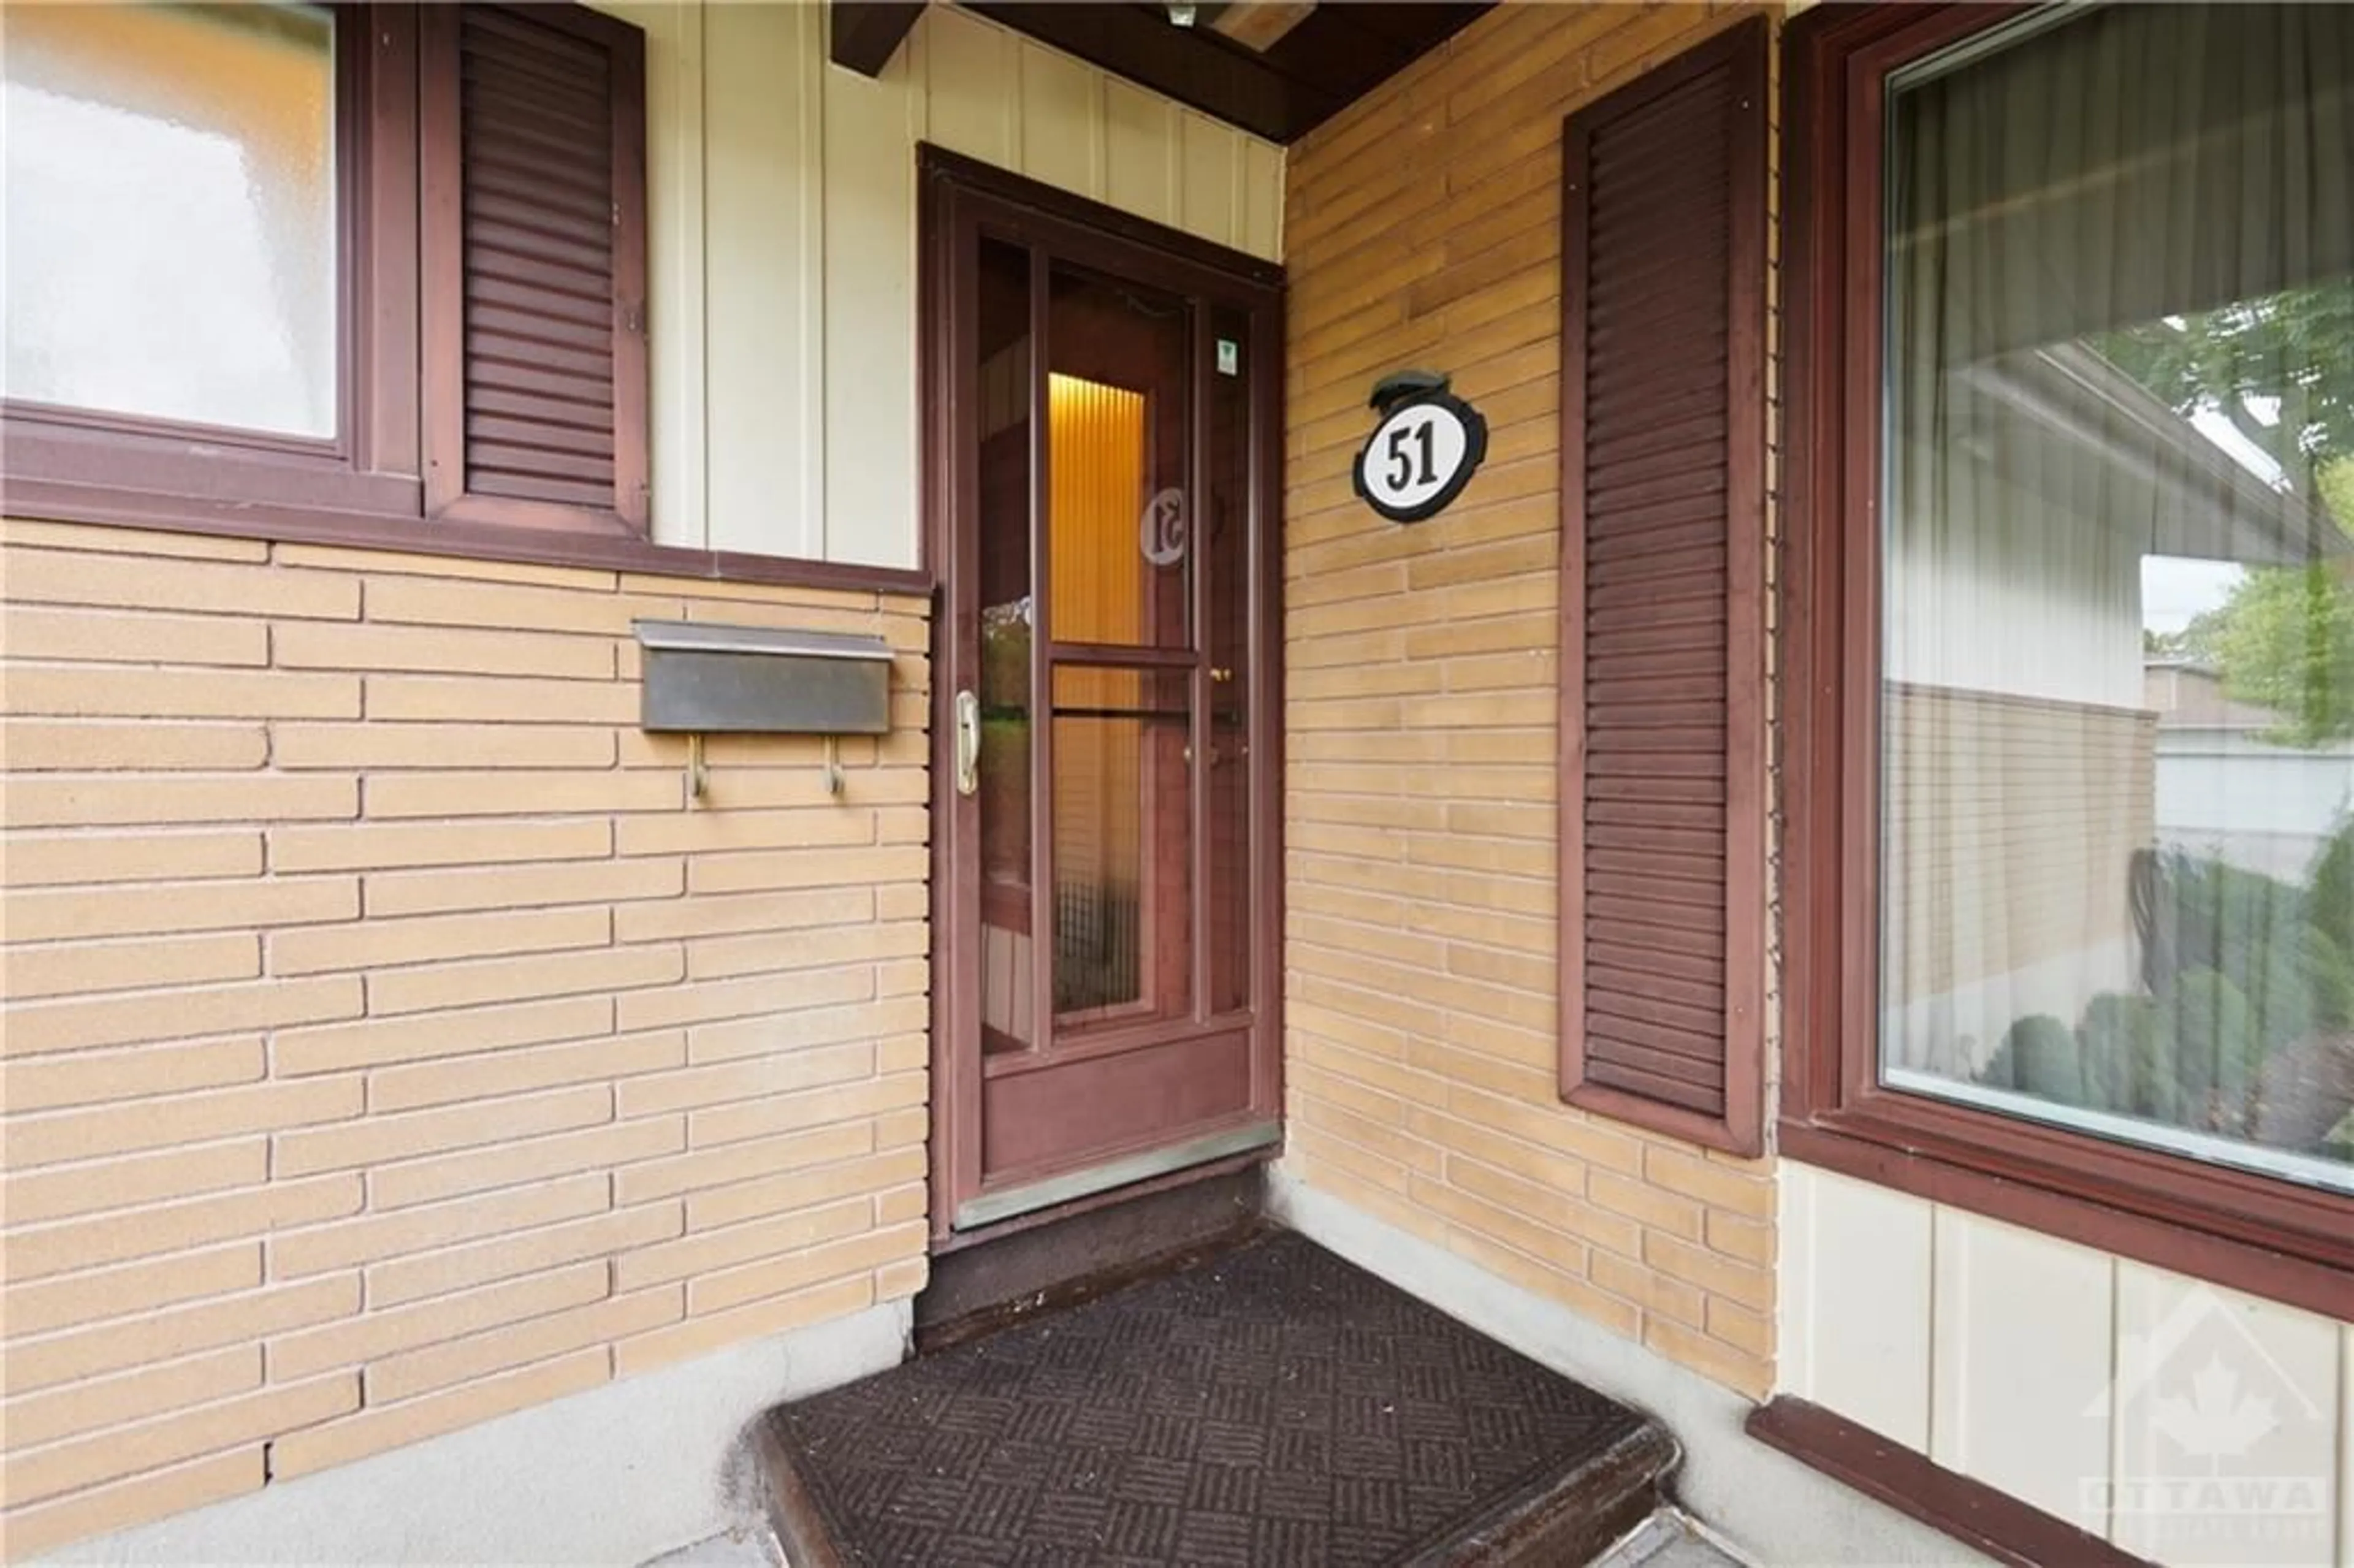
(990, 1208)
(1055, 1257)
(1111, 1201)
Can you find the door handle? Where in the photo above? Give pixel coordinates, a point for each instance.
(968, 743)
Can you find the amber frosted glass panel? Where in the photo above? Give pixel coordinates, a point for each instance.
(1098, 448)
(1007, 991)
(1225, 549)
(170, 213)
(1123, 846)
(2117, 722)
(1119, 549)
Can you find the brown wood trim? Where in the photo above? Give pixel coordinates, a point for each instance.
(151, 458)
(1126, 655)
(1637, 1110)
(1199, 741)
(633, 371)
(2238, 1228)
(1014, 190)
(54, 501)
(947, 326)
(2188, 1192)
(1972, 1512)
(64, 422)
(1265, 648)
(1812, 276)
(441, 262)
(1827, 254)
(546, 516)
(2241, 1263)
(1042, 1011)
(1113, 1038)
(1576, 155)
(381, 290)
(1748, 763)
(738, 565)
(1744, 49)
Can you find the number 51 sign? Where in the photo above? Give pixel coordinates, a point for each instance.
(1424, 451)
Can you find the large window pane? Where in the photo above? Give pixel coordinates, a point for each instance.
(170, 213)
(2117, 712)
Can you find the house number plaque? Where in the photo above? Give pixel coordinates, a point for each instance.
(1426, 449)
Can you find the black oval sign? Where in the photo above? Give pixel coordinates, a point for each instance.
(1420, 456)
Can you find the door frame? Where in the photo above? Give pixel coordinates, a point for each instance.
(954, 190)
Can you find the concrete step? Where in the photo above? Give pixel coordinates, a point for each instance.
(1271, 1404)
(1669, 1539)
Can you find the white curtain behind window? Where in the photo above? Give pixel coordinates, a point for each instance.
(2118, 596)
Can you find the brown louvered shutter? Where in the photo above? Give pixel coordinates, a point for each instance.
(1663, 434)
(534, 233)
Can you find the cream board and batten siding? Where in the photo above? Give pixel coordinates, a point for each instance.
(2012, 1357)
(783, 248)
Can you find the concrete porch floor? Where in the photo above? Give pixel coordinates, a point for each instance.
(1272, 1405)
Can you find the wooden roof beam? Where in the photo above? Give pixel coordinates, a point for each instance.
(1260, 24)
(866, 34)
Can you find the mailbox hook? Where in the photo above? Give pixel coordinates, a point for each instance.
(698, 776)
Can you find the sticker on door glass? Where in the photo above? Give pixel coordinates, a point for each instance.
(1161, 531)
(1421, 455)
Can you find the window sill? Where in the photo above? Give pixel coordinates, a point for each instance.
(68, 501)
(2231, 1228)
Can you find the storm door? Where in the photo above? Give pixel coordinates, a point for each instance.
(1102, 480)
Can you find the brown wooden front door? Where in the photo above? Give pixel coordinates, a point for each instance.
(1103, 468)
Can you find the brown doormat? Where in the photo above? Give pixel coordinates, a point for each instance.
(1275, 1405)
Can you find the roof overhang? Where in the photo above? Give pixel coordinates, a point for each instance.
(1277, 68)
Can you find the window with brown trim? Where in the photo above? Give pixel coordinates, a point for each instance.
(368, 272)
(2070, 781)
(1662, 594)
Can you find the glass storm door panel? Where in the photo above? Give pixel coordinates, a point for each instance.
(1103, 501)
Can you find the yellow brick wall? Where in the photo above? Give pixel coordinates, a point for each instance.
(1423, 228)
(389, 1043)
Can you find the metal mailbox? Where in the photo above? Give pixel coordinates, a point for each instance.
(706, 678)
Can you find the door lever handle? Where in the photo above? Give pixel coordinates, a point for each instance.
(968, 743)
